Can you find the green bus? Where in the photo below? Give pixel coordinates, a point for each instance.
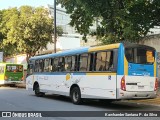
(11, 73)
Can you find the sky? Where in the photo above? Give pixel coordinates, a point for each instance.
(5, 4)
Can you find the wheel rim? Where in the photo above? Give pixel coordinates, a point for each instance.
(75, 96)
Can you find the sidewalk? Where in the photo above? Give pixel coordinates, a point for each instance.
(22, 85)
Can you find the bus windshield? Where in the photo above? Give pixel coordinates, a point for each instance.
(140, 55)
(14, 68)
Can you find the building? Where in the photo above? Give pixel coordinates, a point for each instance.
(70, 39)
(154, 31)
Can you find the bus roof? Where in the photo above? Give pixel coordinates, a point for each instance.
(133, 45)
(88, 49)
(63, 53)
(77, 51)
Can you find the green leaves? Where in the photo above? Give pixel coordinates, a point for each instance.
(119, 20)
(25, 30)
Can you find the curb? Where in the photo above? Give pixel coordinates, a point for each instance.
(22, 85)
(139, 103)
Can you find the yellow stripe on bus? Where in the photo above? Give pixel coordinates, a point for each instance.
(125, 66)
(101, 73)
(104, 47)
(155, 68)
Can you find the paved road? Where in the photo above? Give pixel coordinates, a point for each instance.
(19, 99)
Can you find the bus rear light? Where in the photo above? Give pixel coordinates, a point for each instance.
(123, 84)
(156, 85)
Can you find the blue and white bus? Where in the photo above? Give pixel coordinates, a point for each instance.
(113, 72)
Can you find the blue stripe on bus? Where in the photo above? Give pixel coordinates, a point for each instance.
(120, 70)
(64, 53)
(141, 69)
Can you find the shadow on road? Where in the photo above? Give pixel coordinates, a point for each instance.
(116, 105)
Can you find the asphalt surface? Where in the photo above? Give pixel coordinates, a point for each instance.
(19, 99)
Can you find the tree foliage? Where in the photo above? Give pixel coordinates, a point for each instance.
(119, 20)
(25, 30)
(8, 23)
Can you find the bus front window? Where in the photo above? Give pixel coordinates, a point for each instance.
(18, 68)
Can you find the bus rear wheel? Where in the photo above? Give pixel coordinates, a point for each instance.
(37, 91)
(76, 96)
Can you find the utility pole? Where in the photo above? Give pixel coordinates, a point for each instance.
(55, 32)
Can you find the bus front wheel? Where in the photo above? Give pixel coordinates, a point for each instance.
(76, 96)
(37, 91)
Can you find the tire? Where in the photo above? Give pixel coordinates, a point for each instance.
(76, 96)
(37, 91)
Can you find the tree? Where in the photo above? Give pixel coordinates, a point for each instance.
(119, 19)
(1, 36)
(9, 20)
(34, 31)
(26, 30)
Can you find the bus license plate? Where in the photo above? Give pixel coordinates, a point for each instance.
(140, 87)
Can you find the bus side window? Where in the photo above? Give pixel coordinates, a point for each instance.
(50, 65)
(115, 58)
(61, 64)
(68, 63)
(41, 65)
(83, 62)
(55, 64)
(109, 58)
(77, 62)
(90, 62)
(73, 66)
(94, 61)
(46, 65)
(36, 66)
(101, 61)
